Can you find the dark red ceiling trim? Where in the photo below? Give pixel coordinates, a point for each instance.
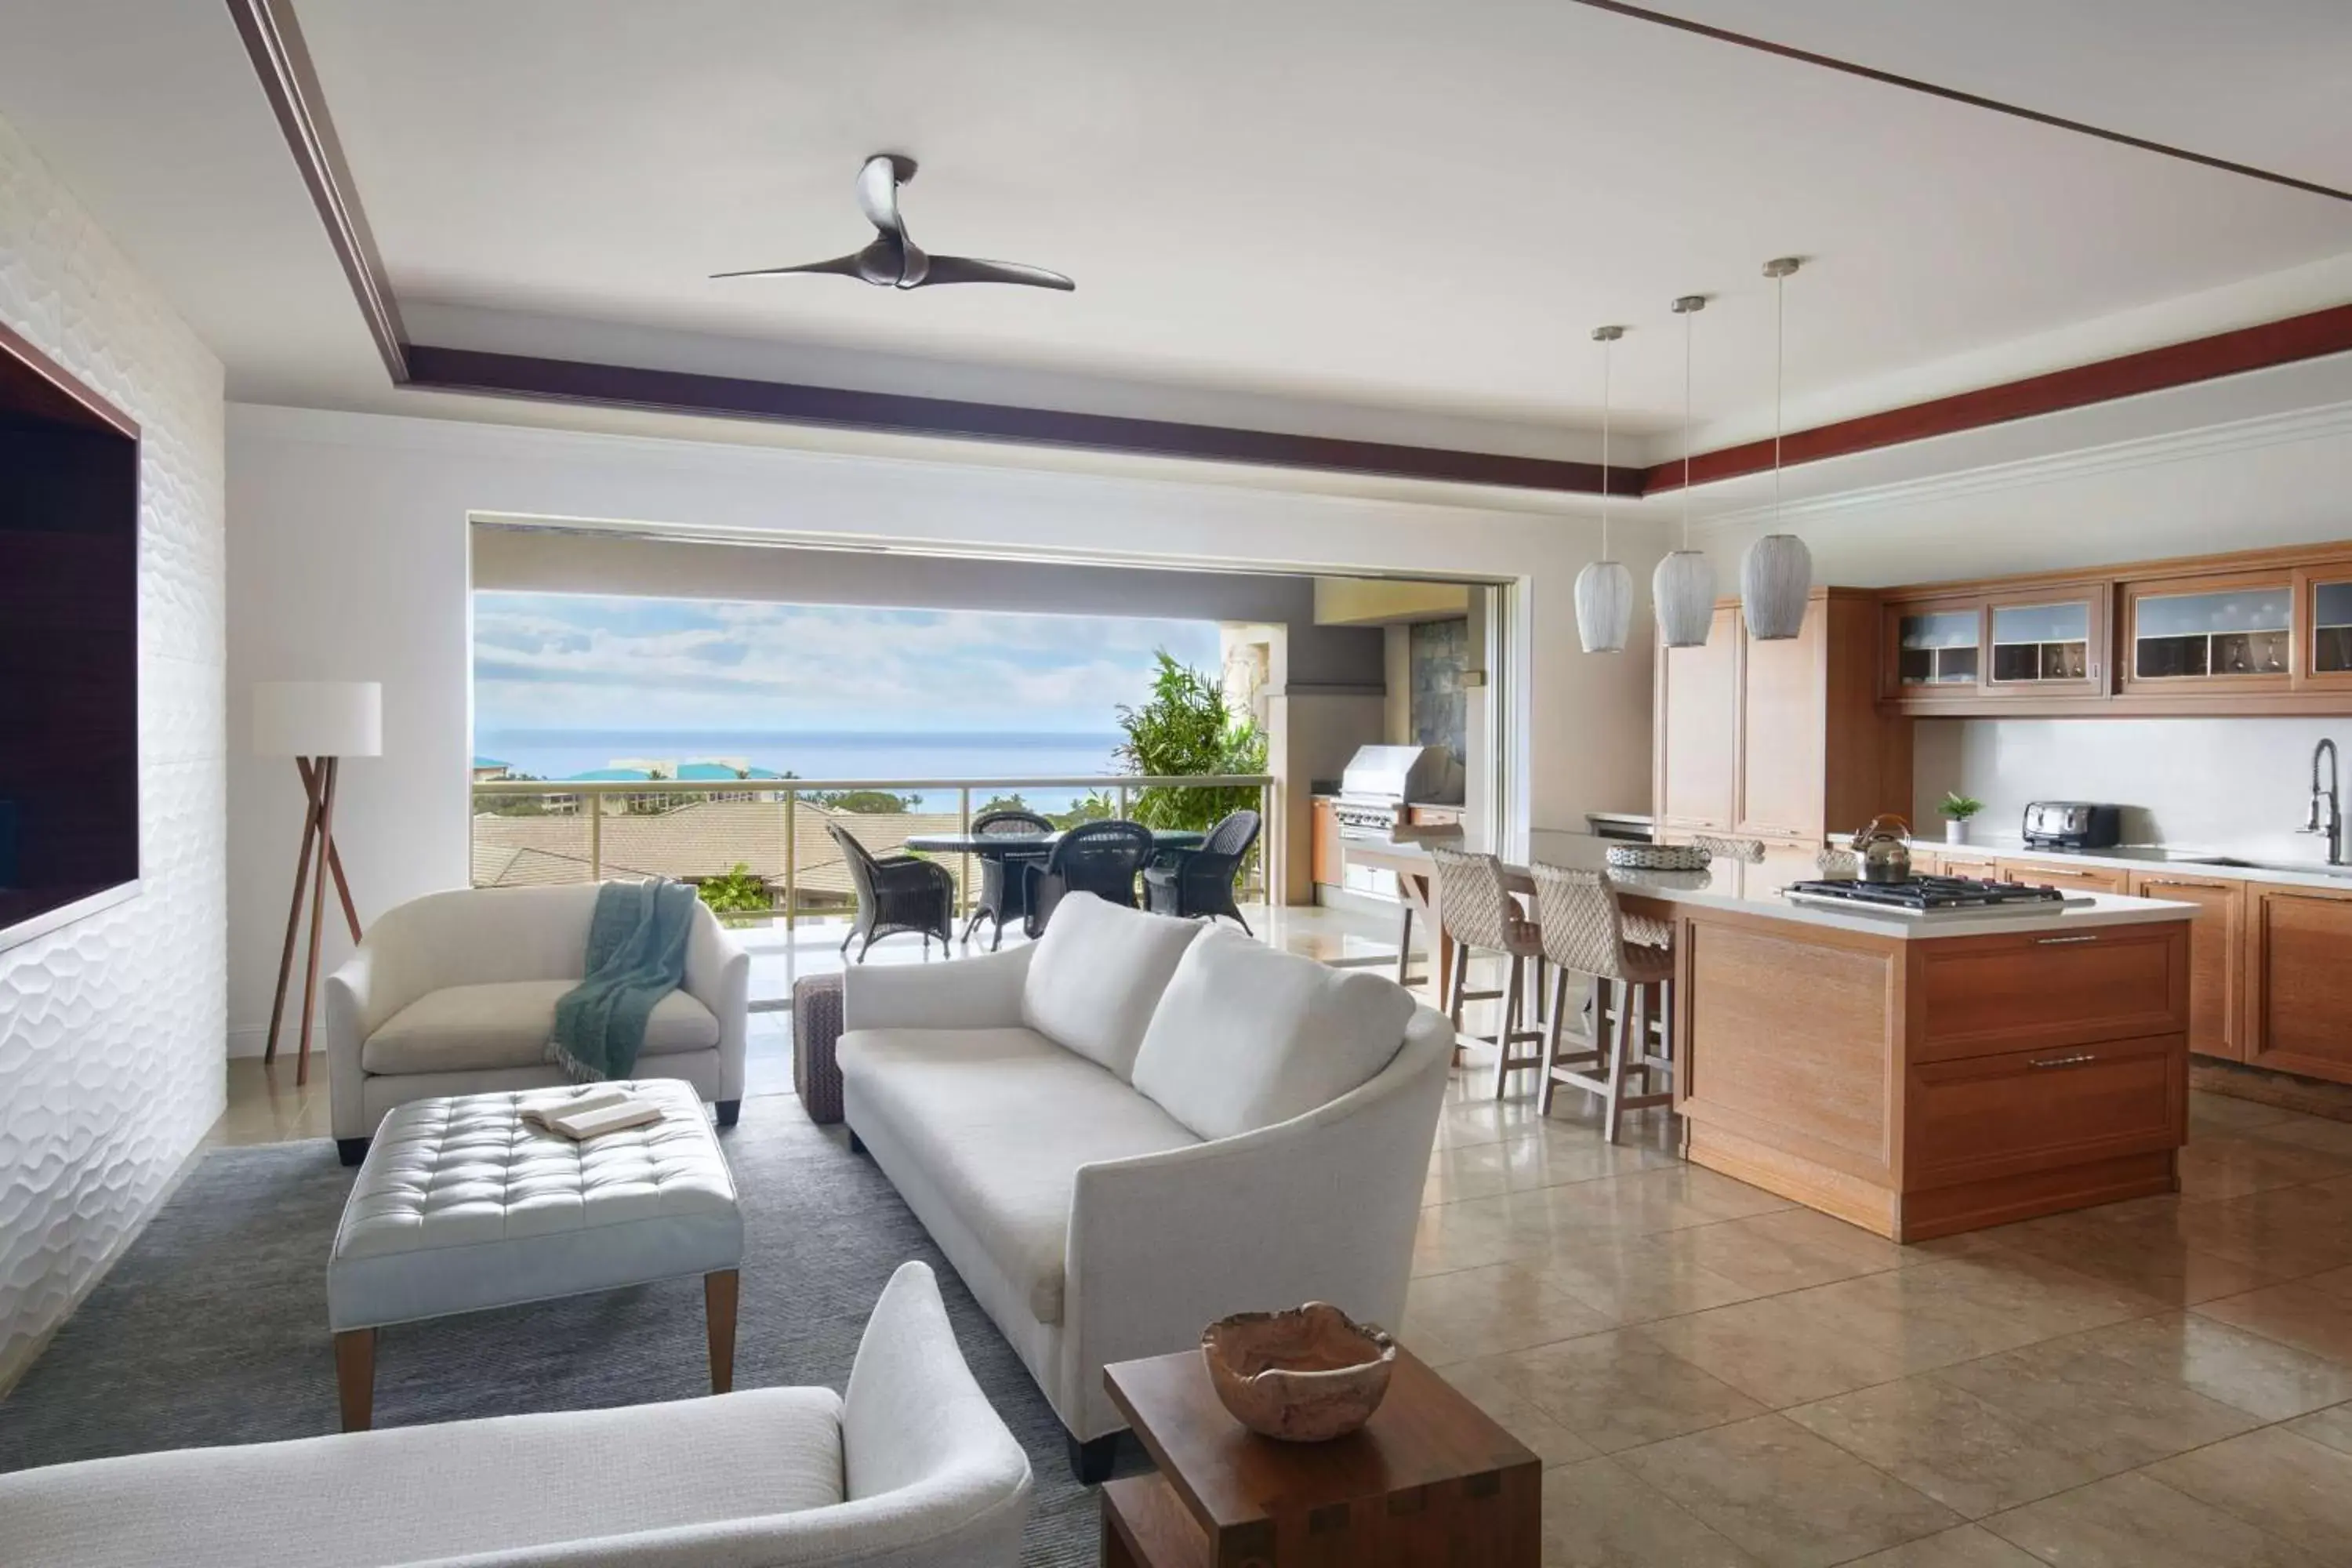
(274, 39)
(1913, 84)
(684, 391)
(43, 389)
(2262, 347)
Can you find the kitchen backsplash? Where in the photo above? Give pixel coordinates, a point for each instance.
(2240, 785)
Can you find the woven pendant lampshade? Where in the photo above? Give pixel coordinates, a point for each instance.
(1604, 606)
(1774, 580)
(1682, 588)
(1604, 589)
(1777, 574)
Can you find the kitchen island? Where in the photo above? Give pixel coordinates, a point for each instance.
(1915, 1076)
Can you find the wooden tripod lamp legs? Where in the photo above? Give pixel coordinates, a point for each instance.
(318, 862)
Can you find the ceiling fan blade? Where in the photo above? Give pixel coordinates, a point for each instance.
(878, 191)
(846, 266)
(972, 269)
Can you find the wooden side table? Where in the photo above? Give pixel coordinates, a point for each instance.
(1431, 1481)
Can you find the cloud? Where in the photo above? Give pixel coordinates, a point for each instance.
(564, 661)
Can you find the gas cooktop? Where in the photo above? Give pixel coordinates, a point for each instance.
(1926, 895)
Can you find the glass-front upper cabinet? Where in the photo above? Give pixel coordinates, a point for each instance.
(1938, 647)
(2323, 596)
(2233, 630)
(2048, 642)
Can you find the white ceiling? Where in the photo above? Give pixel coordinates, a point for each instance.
(2260, 84)
(1384, 203)
(1388, 219)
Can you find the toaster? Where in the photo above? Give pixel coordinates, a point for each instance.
(2072, 825)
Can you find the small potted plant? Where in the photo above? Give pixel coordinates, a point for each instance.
(1956, 809)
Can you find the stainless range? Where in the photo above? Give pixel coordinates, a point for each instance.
(1382, 780)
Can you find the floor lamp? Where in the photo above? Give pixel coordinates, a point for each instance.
(318, 723)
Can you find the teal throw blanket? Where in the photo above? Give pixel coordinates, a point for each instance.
(637, 956)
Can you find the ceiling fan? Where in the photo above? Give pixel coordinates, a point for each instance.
(894, 261)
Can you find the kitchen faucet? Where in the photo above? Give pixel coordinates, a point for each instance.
(2332, 825)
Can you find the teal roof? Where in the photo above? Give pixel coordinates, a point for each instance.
(612, 775)
(720, 771)
(491, 763)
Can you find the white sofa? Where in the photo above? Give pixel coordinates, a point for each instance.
(1139, 1125)
(913, 1468)
(455, 994)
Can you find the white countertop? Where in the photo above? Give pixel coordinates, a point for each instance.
(2143, 857)
(1755, 890)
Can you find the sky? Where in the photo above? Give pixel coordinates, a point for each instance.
(589, 662)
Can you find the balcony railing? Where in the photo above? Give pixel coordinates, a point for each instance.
(759, 848)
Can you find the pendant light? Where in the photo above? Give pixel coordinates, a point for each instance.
(1684, 584)
(1778, 574)
(1604, 589)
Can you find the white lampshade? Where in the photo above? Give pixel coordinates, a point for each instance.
(318, 719)
(1684, 588)
(1604, 606)
(1774, 580)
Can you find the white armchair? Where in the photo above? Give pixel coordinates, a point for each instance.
(913, 1468)
(455, 992)
(1139, 1126)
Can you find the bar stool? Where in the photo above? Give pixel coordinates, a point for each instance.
(1581, 927)
(1477, 911)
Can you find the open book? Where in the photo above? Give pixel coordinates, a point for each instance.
(593, 1115)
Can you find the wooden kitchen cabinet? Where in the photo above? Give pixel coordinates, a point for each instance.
(1959, 863)
(1933, 648)
(1696, 758)
(2209, 633)
(1326, 865)
(2047, 641)
(2298, 980)
(2079, 878)
(2216, 954)
(1782, 740)
(1433, 815)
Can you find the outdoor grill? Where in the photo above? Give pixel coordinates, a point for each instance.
(1379, 783)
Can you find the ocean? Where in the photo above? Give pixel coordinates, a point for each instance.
(825, 755)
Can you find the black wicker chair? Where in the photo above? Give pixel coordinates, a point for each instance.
(899, 893)
(1097, 858)
(1195, 884)
(1003, 890)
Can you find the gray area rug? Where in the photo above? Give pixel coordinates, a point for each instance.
(213, 1328)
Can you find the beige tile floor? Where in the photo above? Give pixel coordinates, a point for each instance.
(1714, 1376)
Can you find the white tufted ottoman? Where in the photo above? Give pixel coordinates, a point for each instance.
(460, 1206)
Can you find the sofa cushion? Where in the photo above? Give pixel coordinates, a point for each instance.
(1001, 1119)
(470, 1490)
(1097, 975)
(1246, 1037)
(506, 1024)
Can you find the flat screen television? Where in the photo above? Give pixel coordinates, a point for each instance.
(69, 647)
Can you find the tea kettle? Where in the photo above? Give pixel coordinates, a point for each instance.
(1881, 851)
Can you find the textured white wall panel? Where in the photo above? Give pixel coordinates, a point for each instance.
(111, 1029)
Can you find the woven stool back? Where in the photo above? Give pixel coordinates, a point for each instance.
(1471, 903)
(1583, 927)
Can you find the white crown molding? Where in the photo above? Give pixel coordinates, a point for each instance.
(2245, 435)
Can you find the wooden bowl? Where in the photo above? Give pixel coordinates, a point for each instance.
(1305, 1375)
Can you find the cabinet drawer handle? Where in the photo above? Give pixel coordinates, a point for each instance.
(2077, 1059)
(2061, 940)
